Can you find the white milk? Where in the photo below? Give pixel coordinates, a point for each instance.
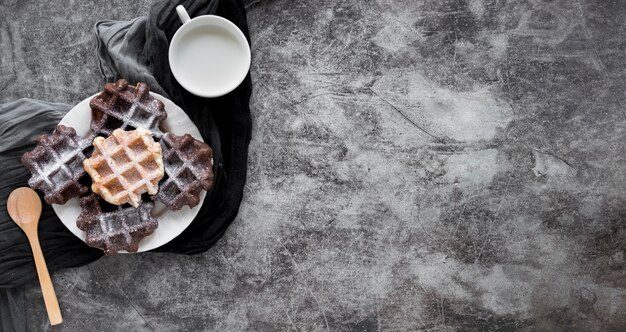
(208, 56)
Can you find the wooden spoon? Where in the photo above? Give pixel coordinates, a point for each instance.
(25, 209)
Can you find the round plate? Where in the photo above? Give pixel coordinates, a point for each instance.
(171, 223)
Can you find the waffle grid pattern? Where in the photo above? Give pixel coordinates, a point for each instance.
(188, 165)
(56, 165)
(121, 229)
(126, 107)
(125, 165)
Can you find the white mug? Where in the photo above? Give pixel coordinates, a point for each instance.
(209, 56)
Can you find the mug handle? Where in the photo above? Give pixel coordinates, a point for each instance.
(182, 14)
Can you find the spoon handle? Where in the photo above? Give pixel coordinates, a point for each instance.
(49, 296)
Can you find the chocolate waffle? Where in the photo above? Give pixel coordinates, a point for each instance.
(189, 167)
(126, 107)
(120, 229)
(124, 166)
(56, 165)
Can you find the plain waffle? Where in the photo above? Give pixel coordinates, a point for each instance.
(124, 166)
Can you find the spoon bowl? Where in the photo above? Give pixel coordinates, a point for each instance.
(24, 207)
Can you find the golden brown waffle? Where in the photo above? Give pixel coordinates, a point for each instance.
(125, 165)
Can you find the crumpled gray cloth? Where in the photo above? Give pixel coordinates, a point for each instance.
(120, 51)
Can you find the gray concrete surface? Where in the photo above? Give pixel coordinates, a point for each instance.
(415, 165)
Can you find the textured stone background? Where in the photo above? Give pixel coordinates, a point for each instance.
(437, 165)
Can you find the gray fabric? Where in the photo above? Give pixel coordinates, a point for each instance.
(120, 51)
(41, 117)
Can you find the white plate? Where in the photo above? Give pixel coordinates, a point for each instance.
(171, 223)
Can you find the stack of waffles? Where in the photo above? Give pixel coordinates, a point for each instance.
(130, 163)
